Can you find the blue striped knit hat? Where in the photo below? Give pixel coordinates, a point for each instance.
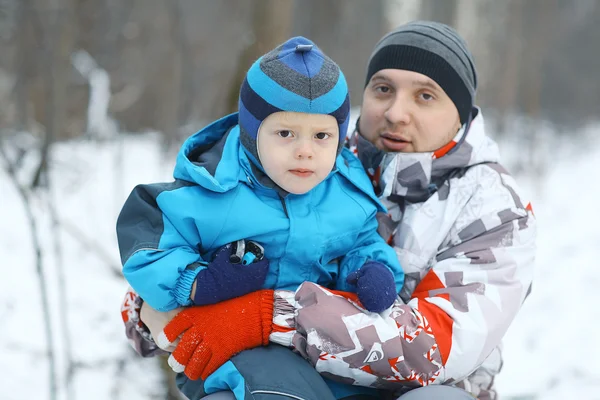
(296, 76)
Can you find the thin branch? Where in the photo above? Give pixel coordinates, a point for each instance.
(89, 244)
(37, 248)
(50, 110)
(118, 378)
(62, 292)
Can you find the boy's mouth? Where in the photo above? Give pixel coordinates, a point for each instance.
(301, 172)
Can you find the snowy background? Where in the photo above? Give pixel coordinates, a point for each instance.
(548, 350)
(60, 283)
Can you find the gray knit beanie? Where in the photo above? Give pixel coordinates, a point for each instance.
(432, 49)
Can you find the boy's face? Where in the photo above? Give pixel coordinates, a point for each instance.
(404, 111)
(298, 150)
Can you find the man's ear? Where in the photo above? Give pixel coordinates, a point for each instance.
(459, 125)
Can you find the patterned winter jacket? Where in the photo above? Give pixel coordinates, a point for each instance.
(466, 240)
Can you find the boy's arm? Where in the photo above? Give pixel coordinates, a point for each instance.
(369, 247)
(159, 254)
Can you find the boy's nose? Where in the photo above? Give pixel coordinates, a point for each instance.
(304, 150)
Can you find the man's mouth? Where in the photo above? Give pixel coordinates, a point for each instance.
(395, 138)
(301, 172)
(394, 142)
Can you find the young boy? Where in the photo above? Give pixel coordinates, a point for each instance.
(275, 174)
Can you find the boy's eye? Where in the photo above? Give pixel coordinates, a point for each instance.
(284, 134)
(322, 135)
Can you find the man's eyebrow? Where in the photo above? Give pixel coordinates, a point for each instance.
(378, 78)
(425, 83)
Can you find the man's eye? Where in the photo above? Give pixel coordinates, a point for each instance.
(426, 96)
(322, 135)
(284, 134)
(382, 89)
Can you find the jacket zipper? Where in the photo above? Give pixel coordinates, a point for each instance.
(284, 205)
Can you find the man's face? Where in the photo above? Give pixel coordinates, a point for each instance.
(404, 111)
(298, 150)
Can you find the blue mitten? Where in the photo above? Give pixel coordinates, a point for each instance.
(222, 280)
(375, 286)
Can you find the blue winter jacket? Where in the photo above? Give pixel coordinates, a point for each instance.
(168, 231)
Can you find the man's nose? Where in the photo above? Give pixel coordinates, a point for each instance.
(399, 110)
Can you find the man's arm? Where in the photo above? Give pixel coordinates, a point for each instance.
(457, 314)
(455, 318)
(138, 333)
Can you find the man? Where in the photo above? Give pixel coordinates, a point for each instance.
(463, 235)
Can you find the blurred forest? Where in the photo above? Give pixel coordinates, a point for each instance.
(171, 65)
(99, 68)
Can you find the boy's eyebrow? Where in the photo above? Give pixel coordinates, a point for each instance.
(294, 127)
(325, 129)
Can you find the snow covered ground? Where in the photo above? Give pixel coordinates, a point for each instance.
(550, 350)
(91, 182)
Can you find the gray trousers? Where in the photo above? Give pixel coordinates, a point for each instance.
(270, 373)
(437, 392)
(425, 393)
(276, 373)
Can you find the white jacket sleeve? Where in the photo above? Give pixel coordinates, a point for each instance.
(456, 315)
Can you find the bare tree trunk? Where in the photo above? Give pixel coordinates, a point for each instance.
(508, 84)
(173, 77)
(271, 26)
(533, 61)
(539, 43)
(331, 23)
(58, 52)
(440, 10)
(57, 55)
(23, 64)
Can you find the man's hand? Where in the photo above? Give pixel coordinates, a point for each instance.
(212, 334)
(155, 321)
(375, 286)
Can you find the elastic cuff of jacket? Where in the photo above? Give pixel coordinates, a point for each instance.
(267, 301)
(183, 287)
(357, 262)
(369, 261)
(380, 264)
